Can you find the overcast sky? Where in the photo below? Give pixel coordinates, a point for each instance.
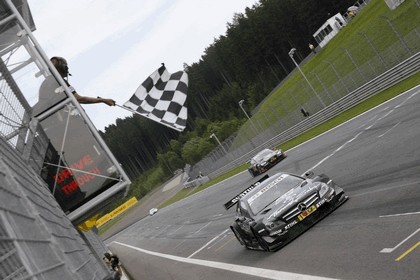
(113, 46)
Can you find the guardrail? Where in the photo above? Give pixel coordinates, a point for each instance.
(196, 182)
(389, 78)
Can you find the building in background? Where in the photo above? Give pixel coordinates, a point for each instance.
(329, 29)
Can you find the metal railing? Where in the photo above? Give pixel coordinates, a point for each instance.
(37, 239)
(283, 119)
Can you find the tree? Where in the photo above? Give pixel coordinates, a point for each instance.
(195, 149)
(245, 63)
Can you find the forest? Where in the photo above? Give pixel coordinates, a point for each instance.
(246, 64)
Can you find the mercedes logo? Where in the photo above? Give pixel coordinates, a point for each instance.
(301, 206)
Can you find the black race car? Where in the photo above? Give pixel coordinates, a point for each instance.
(275, 210)
(264, 160)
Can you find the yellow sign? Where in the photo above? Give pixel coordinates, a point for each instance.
(116, 212)
(88, 224)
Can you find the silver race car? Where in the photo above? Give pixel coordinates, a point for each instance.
(264, 160)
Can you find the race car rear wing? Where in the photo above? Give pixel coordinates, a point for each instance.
(235, 200)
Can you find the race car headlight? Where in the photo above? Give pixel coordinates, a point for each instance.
(326, 191)
(274, 225)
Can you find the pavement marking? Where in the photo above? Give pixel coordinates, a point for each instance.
(205, 245)
(402, 214)
(177, 229)
(408, 98)
(333, 153)
(248, 270)
(161, 231)
(407, 252)
(367, 128)
(218, 241)
(387, 114)
(370, 120)
(224, 244)
(202, 227)
(390, 250)
(180, 243)
(386, 189)
(389, 130)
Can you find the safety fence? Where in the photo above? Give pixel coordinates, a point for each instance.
(37, 240)
(283, 118)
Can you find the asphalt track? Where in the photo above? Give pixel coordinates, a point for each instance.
(375, 158)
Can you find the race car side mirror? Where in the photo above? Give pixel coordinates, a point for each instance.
(309, 174)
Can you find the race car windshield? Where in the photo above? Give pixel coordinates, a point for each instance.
(263, 154)
(259, 157)
(271, 192)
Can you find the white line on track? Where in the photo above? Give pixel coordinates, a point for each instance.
(402, 214)
(385, 189)
(386, 115)
(225, 243)
(177, 229)
(161, 231)
(389, 130)
(333, 153)
(202, 228)
(390, 250)
(205, 245)
(367, 128)
(248, 270)
(218, 241)
(408, 98)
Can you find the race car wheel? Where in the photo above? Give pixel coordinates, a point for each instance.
(236, 230)
(263, 244)
(252, 172)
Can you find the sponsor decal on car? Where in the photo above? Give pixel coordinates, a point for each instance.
(307, 212)
(290, 225)
(322, 201)
(234, 200)
(286, 228)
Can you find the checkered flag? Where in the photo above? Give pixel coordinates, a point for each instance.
(161, 97)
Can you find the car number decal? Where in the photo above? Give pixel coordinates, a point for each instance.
(307, 212)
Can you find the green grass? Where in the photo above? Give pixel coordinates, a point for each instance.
(335, 56)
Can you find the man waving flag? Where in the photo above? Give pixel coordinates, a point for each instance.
(161, 97)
